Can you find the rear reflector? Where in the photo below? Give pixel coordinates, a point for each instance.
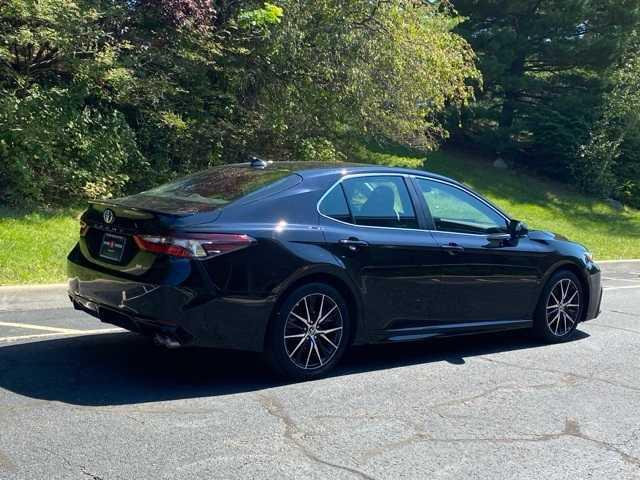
(195, 245)
(83, 228)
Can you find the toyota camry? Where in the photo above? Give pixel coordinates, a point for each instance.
(301, 261)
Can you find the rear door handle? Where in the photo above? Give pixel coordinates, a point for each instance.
(353, 243)
(453, 248)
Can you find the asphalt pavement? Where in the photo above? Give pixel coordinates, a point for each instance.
(80, 399)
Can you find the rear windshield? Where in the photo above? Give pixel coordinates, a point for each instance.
(219, 186)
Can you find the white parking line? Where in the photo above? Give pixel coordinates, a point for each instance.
(30, 326)
(626, 287)
(61, 334)
(621, 279)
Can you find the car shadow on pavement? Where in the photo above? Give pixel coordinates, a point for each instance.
(123, 368)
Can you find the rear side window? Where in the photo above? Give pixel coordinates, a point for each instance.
(376, 201)
(221, 185)
(334, 205)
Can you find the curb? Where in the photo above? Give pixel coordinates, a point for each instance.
(605, 262)
(37, 286)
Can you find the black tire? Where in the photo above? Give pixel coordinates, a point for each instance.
(288, 349)
(557, 317)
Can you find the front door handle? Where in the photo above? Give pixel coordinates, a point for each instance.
(353, 243)
(453, 248)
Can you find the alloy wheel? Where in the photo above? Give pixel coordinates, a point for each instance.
(313, 331)
(563, 307)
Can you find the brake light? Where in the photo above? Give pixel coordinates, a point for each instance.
(196, 245)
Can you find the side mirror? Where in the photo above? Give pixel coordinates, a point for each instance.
(518, 229)
(499, 237)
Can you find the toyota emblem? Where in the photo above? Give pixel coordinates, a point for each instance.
(108, 216)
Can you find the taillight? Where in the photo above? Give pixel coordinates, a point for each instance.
(196, 245)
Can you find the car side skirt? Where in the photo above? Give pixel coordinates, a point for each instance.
(450, 329)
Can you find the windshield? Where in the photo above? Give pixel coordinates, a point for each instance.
(219, 186)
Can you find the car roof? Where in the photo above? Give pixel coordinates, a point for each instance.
(317, 169)
(330, 170)
(314, 169)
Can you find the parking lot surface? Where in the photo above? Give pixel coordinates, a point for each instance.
(80, 399)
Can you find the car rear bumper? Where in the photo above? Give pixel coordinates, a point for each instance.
(186, 311)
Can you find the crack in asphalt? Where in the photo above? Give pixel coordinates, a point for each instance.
(633, 436)
(611, 327)
(5, 463)
(566, 380)
(571, 429)
(621, 312)
(70, 464)
(274, 407)
(589, 378)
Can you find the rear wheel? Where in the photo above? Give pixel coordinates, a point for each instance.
(309, 333)
(560, 308)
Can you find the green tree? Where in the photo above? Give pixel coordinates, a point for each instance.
(59, 137)
(335, 68)
(543, 63)
(610, 161)
(101, 97)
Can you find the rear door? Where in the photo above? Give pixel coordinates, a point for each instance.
(372, 224)
(480, 280)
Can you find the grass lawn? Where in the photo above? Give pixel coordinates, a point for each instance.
(34, 245)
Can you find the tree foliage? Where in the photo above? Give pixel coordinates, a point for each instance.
(103, 96)
(545, 65)
(611, 157)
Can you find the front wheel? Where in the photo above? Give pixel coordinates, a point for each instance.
(309, 333)
(560, 308)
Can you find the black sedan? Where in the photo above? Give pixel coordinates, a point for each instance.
(301, 260)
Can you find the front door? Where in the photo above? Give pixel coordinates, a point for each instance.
(480, 280)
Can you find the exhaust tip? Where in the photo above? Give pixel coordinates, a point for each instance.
(166, 341)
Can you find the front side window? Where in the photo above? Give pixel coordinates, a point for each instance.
(380, 201)
(454, 210)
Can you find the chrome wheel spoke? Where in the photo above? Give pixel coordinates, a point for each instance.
(306, 365)
(570, 319)
(331, 330)
(303, 320)
(572, 297)
(306, 307)
(325, 338)
(298, 346)
(315, 347)
(302, 335)
(320, 310)
(327, 315)
(563, 307)
(299, 335)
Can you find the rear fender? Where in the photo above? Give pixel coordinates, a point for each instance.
(336, 276)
